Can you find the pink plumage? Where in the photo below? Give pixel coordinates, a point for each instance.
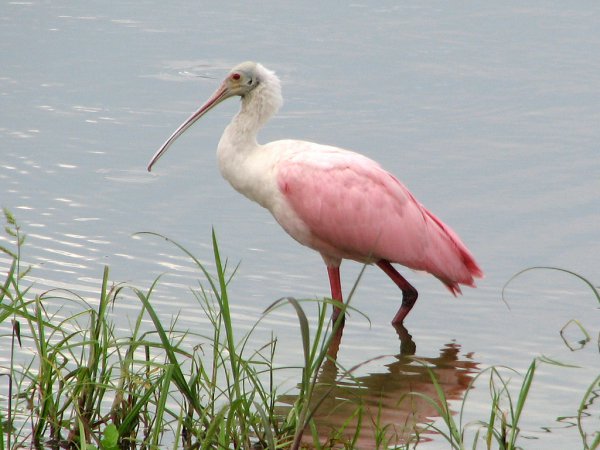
(356, 210)
(337, 202)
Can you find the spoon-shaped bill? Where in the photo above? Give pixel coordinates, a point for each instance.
(220, 94)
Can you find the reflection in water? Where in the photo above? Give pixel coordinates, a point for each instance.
(382, 400)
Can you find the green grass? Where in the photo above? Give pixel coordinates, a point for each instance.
(75, 381)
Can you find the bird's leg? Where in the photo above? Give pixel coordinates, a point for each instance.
(336, 295)
(336, 292)
(409, 293)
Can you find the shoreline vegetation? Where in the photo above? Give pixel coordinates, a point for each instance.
(70, 379)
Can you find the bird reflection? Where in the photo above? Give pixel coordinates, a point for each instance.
(381, 401)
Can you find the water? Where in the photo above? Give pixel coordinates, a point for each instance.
(489, 113)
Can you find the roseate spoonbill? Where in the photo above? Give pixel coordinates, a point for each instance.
(337, 202)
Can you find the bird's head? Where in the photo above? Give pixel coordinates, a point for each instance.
(241, 81)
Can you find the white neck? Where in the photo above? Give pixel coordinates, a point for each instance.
(240, 157)
(258, 106)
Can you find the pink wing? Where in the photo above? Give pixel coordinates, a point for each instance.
(354, 209)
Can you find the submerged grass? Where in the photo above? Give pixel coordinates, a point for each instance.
(74, 381)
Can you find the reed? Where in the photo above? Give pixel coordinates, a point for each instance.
(74, 381)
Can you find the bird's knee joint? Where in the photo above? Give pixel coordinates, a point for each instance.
(409, 297)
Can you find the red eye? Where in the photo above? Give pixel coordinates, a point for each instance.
(236, 76)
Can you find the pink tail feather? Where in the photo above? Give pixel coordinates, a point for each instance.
(466, 258)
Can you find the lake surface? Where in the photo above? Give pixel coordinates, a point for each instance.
(489, 113)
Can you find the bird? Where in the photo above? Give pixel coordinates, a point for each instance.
(338, 202)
